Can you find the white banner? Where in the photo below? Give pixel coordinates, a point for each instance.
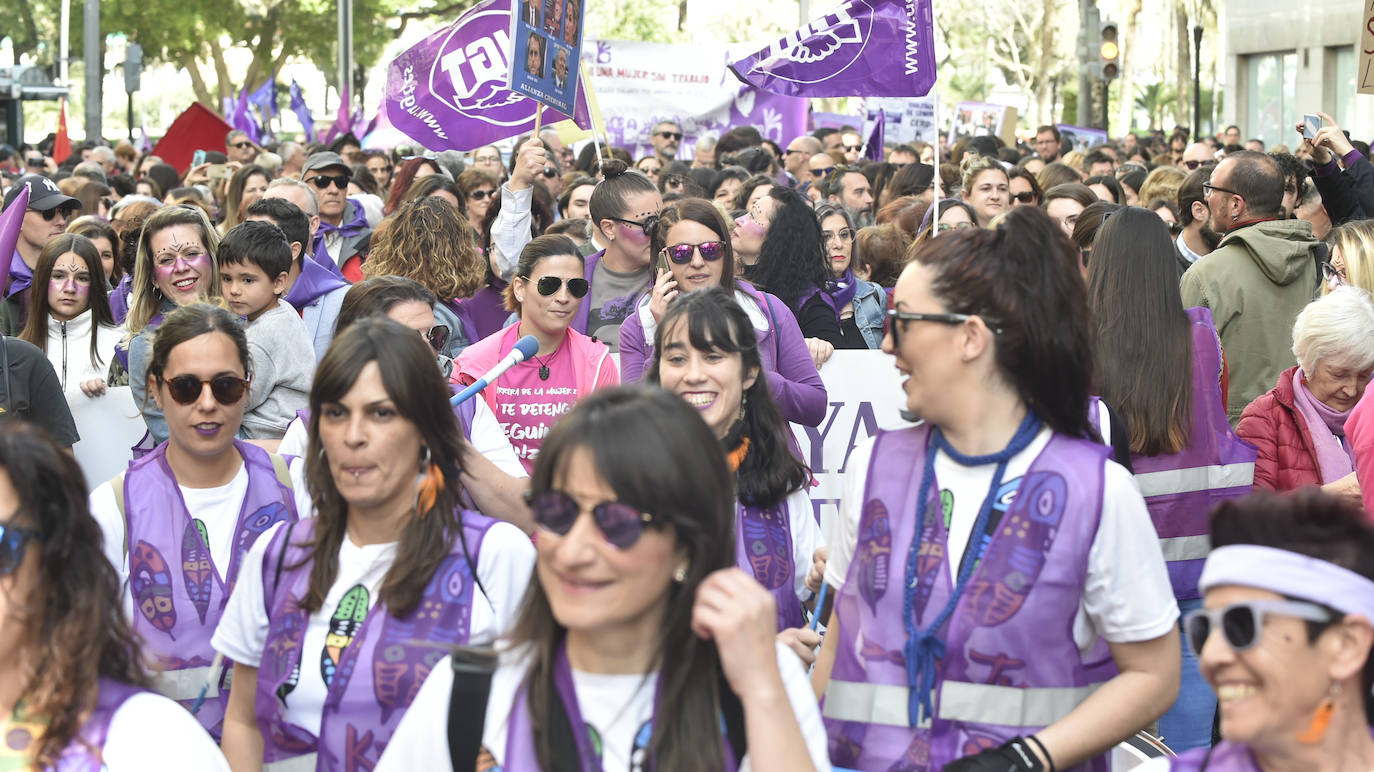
(907, 120)
(109, 426)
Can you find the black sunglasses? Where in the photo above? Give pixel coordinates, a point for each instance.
(550, 172)
(820, 173)
(673, 135)
(437, 336)
(1243, 623)
(478, 195)
(242, 145)
(548, 286)
(646, 225)
(897, 321)
(14, 540)
(1024, 197)
(681, 254)
(66, 210)
(322, 181)
(186, 389)
(853, 148)
(1194, 165)
(620, 524)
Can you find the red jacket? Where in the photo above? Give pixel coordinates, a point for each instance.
(1287, 458)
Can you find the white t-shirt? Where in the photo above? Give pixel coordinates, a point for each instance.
(218, 508)
(150, 733)
(504, 566)
(616, 706)
(1127, 596)
(487, 439)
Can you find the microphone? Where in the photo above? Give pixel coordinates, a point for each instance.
(524, 349)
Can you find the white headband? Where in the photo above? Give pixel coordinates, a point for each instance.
(1291, 574)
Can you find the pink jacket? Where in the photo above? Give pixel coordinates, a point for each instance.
(592, 361)
(1359, 430)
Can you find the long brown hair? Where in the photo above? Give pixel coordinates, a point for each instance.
(78, 632)
(414, 384)
(1143, 349)
(36, 326)
(687, 486)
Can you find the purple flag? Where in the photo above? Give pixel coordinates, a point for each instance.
(448, 92)
(11, 222)
(241, 118)
(144, 145)
(343, 120)
(862, 48)
(265, 98)
(302, 111)
(873, 149)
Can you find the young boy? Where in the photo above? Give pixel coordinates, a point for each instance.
(254, 262)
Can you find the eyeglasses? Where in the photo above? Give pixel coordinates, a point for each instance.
(67, 210)
(681, 254)
(646, 225)
(1243, 623)
(820, 173)
(842, 235)
(242, 145)
(478, 195)
(1333, 275)
(1024, 197)
(953, 226)
(1193, 165)
(13, 541)
(437, 336)
(896, 330)
(186, 389)
(549, 286)
(322, 181)
(673, 135)
(1208, 187)
(620, 524)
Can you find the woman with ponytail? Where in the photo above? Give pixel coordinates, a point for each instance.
(1002, 600)
(336, 620)
(624, 208)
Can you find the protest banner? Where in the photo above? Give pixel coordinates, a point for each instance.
(639, 84)
(109, 426)
(908, 120)
(976, 119)
(1082, 137)
(820, 120)
(1366, 73)
(548, 46)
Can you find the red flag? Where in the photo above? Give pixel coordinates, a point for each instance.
(197, 128)
(62, 146)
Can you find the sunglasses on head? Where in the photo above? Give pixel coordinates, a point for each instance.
(1242, 623)
(186, 389)
(681, 254)
(478, 195)
(620, 524)
(548, 286)
(437, 336)
(66, 211)
(322, 181)
(13, 541)
(673, 135)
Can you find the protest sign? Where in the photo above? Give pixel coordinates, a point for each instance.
(907, 120)
(109, 426)
(1082, 137)
(548, 44)
(976, 119)
(1366, 74)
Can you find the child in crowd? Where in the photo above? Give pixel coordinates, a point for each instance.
(254, 264)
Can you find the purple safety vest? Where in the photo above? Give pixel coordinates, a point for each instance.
(1224, 757)
(378, 673)
(81, 755)
(1011, 665)
(1181, 488)
(763, 548)
(179, 593)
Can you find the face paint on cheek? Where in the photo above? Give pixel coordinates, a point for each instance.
(80, 290)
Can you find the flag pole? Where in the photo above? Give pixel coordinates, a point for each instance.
(935, 157)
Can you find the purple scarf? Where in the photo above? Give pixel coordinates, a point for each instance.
(839, 292)
(1334, 456)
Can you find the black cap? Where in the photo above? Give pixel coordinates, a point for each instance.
(43, 193)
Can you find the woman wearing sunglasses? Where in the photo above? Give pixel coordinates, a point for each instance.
(640, 643)
(175, 266)
(707, 354)
(1284, 636)
(478, 190)
(624, 207)
(547, 290)
(1033, 622)
(693, 240)
(337, 619)
(178, 523)
(429, 242)
(73, 691)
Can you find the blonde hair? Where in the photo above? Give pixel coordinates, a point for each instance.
(146, 299)
(1073, 159)
(426, 240)
(974, 165)
(1163, 183)
(1355, 240)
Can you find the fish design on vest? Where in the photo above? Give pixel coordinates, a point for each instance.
(343, 626)
(876, 554)
(765, 537)
(1015, 560)
(150, 581)
(254, 526)
(197, 571)
(396, 676)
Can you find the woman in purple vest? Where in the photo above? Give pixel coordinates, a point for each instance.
(179, 521)
(73, 692)
(1284, 636)
(640, 640)
(707, 354)
(693, 242)
(336, 620)
(1160, 368)
(1002, 599)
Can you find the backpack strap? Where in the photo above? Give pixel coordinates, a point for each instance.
(777, 334)
(467, 704)
(117, 485)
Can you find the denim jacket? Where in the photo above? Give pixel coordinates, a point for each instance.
(870, 308)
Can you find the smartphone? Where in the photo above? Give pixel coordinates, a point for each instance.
(1310, 125)
(663, 261)
(218, 171)
(198, 158)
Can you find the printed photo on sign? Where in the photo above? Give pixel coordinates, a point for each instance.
(546, 37)
(1082, 137)
(534, 56)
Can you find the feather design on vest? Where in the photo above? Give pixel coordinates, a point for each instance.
(280, 651)
(197, 571)
(150, 581)
(254, 526)
(1016, 556)
(875, 556)
(765, 539)
(343, 626)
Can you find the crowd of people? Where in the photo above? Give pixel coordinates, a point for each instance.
(1125, 526)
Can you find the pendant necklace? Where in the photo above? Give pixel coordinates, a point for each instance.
(544, 363)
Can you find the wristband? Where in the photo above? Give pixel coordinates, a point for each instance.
(1043, 751)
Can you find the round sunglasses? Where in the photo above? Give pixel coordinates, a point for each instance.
(681, 254)
(186, 389)
(1242, 624)
(548, 286)
(620, 524)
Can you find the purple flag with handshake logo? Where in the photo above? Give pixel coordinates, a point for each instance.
(448, 92)
(883, 48)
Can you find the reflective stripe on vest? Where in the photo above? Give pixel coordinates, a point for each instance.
(1198, 478)
(1176, 548)
(959, 701)
(305, 763)
(186, 684)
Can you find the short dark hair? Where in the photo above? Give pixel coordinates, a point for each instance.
(375, 295)
(1190, 192)
(1096, 157)
(1110, 183)
(293, 221)
(1051, 129)
(261, 243)
(1258, 179)
(905, 149)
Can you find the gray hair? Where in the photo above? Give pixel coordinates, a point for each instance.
(270, 163)
(105, 154)
(91, 170)
(289, 182)
(1338, 326)
(288, 150)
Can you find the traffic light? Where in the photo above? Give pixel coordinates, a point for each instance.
(1109, 51)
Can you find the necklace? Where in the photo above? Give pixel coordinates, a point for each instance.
(544, 363)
